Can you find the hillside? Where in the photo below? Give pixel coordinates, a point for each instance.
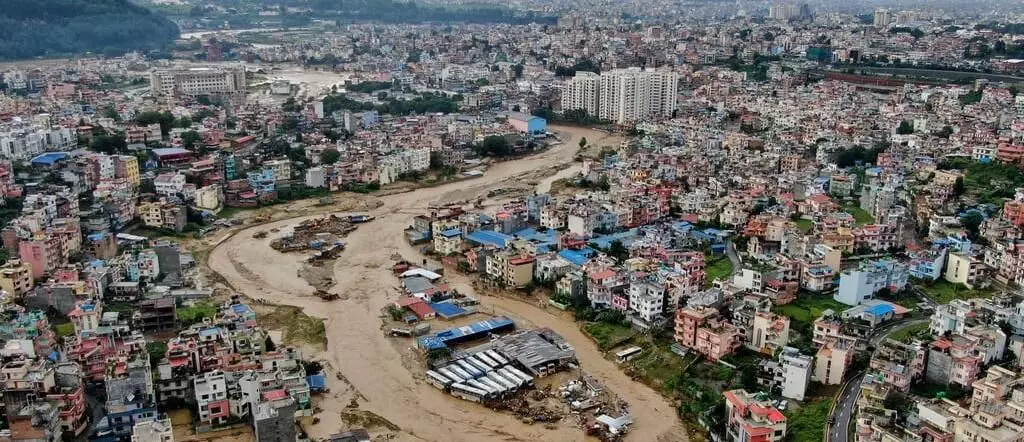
(34, 28)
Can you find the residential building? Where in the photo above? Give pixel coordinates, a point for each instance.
(832, 360)
(789, 374)
(898, 364)
(768, 333)
(752, 420)
(864, 282)
(16, 277)
(158, 430)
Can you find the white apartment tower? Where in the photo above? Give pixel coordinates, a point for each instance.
(632, 95)
(581, 92)
(882, 18)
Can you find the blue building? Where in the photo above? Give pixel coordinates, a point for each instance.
(528, 124)
(262, 182)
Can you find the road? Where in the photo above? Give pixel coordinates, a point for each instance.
(730, 250)
(839, 428)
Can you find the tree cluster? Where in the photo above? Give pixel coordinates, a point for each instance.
(34, 28)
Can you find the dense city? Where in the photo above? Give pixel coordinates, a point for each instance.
(754, 221)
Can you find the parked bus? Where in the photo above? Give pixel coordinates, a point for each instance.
(482, 356)
(476, 372)
(494, 385)
(497, 357)
(450, 375)
(438, 380)
(459, 371)
(468, 393)
(625, 355)
(494, 376)
(521, 374)
(478, 364)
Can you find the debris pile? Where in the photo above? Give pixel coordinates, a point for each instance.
(318, 234)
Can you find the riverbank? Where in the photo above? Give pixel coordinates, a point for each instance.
(377, 378)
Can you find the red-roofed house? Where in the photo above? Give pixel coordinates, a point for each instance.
(751, 420)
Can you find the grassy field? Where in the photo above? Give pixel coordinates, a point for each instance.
(807, 423)
(905, 334)
(298, 327)
(809, 307)
(805, 225)
(943, 291)
(607, 335)
(719, 268)
(657, 365)
(860, 215)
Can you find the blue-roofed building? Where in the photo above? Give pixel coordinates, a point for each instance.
(317, 383)
(469, 332)
(448, 241)
(605, 241)
(576, 257)
(49, 159)
(447, 310)
(489, 238)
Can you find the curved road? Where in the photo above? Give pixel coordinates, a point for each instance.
(374, 369)
(839, 429)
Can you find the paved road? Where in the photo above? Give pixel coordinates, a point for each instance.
(839, 428)
(730, 250)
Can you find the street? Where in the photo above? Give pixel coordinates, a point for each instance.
(839, 426)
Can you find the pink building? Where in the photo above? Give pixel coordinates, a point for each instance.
(718, 338)
(751, 420)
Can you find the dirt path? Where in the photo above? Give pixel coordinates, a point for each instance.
(373, 367)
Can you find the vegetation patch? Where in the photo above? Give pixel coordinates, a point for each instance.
(943, 291)
(298, 327)
(608, 335)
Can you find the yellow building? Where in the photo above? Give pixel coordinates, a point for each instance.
(127, 167)
(962, 268)
(16, 277)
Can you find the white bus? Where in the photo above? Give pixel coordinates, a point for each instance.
(497, 357)
(438, 380)
(627, 354)
(468, 393)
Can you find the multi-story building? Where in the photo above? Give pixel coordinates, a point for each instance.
(789, 373)
(864, 282)
(158, 430)
(768, 333)
(16, 277)
(211, 392)
(646, 302)
(634, 94)
(954, 360)
(898, 364)
(196, 81)
(582, 93)
(751, 420)
(832, 359)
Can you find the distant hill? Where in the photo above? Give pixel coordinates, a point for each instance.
(34, 28)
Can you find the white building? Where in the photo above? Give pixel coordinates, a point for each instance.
(863, 283)
(282, 169)
(646, 301)
(623, 95)
(210, 388)
(153, 431)
(882, 18)
(169, 184)
(316, 177)
(793, 373)
(581, 92)
(22, 141)
(197, 81)
(634, 94)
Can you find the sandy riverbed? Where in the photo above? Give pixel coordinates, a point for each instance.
(373, 368)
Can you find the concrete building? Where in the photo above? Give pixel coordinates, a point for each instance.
(16, 278)
(963, 268)
(212, 398)
(196, 81)
(768, 333)
(864, 282)
(898, 364)
(750, 420)
(634, 94)
(158, 430)
(274, 420)
(582, 92)
(882, 18)
(832, 360)
(791, 373)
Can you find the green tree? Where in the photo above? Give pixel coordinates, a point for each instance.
(494, 146)
(618, 251)
(189, 139)
(330, 156)
(958, 187)
(112, 113)
(157, 350)
(183, 123)
(164, 119)
(583, 142)
(905, 128)
(518, 70)
(108, 144)
(972, 223)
